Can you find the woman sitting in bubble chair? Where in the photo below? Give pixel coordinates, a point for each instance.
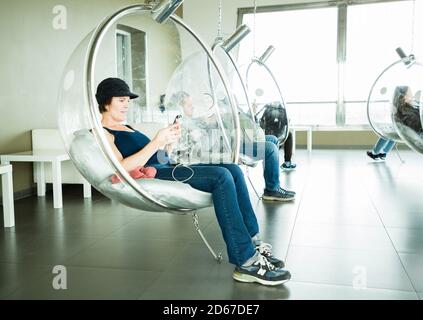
(406, 110)
(252, 258)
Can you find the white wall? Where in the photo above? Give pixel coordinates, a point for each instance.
(33, 55)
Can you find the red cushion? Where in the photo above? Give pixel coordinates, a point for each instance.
(138, 173)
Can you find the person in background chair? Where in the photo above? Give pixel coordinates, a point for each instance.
(381, 148)
(268, 151)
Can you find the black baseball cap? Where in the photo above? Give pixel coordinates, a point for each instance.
(113, 87)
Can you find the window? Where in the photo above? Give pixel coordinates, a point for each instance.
(329, 54)
(131, 67)
(374, 31)
(123, 49)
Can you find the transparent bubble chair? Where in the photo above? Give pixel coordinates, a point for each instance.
(197, 93)
(251, 132)
(168, 59)
(394, 103)
(265, 94)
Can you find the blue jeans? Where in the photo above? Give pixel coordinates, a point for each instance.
(234, 212)
(383, 145)
(269, 152)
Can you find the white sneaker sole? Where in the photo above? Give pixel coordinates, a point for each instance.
(270, 198)
(250, 279)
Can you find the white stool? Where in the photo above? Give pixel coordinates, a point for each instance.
(55, 157)
(309, 130)
(7, 188)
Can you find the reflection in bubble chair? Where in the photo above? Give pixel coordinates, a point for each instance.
(406, 117)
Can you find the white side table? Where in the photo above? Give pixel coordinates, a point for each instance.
(7, 188)
(39, 157)
(309, 130)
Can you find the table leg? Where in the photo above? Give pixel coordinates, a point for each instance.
(309, 140)
(8, 206)
(41, 180)
(57, 184)
(87, 190)
(294, 140)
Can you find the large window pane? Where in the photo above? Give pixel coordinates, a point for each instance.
(304, 62)
(374, 31)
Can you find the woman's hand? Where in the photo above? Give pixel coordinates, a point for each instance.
(168, 135)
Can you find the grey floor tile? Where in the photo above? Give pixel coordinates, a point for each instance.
(88, 284)
(145, 227)
(407, 240)
(89, 225)
(38, 249)
(269, 212)
(317, 291)
(413, 264)
(149, 255)
(35, 222)
(98, 207)
(358, 268)
(341, 197)
(213, 283)
(13, 275)
(421, 295)
(277, 234)
(341, 236)
(339, 216)
(198, 257)
(407, 220)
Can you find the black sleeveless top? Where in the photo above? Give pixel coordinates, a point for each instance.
(129, 143)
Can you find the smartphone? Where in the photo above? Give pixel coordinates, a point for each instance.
(177, 118)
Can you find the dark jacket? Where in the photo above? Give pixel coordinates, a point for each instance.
(410, 116)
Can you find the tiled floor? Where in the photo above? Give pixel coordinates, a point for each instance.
(355, 231)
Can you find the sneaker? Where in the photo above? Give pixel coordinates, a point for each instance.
(382, 156)
(288, 166)
(265, 249)
(372, 155)
(278, 195)
(263, 272)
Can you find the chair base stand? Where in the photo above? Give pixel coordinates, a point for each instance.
(251, 183)
(398, 154)
(217, 257)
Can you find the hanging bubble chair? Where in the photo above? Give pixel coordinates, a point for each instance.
(197, 92)
(250, 130)
(266, 97)
(394, 104)
(169, 68)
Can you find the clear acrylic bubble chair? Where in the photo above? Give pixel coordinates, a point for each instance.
(251, 132)
(170, 45)
(209, 129)
(394, 103)
(265, 94)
